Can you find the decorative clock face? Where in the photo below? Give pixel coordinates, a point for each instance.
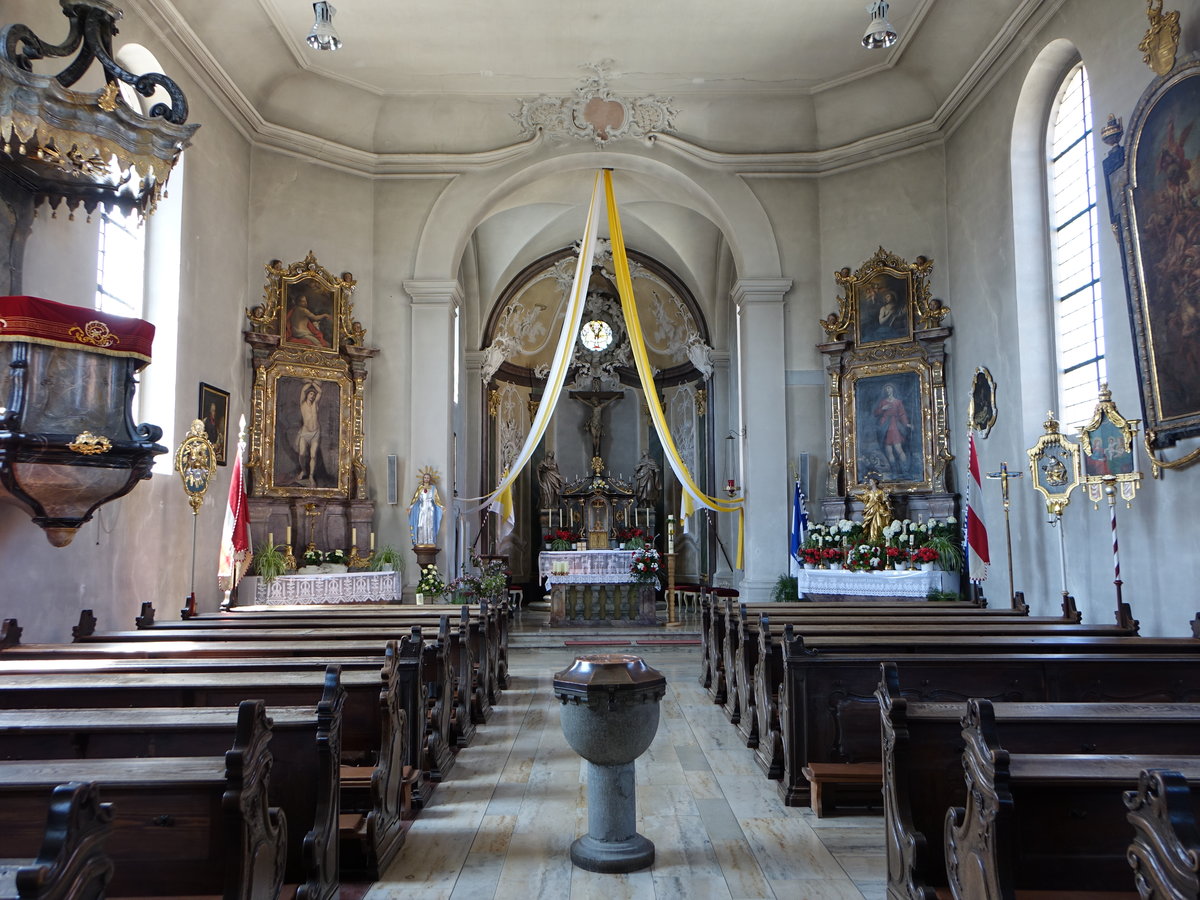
(596, 335)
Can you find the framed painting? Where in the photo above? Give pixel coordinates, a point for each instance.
(888, 434)
(214, 413)
(307, 307)
(885, 301)
(981, 412)
(1109, 451)
(307, 430)
(1152, 207)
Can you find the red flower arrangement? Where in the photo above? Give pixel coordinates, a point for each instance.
(626, 534)
(924, 555)
(561, 537)
(644, 565)
(811, 556)
(896, 554)
(831, 555)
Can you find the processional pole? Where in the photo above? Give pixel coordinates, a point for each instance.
(1004, 475)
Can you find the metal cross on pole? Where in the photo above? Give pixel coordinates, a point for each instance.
(1004, 475)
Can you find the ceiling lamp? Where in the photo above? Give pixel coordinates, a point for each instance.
(58, 144)
(323, 35)
(879, 34)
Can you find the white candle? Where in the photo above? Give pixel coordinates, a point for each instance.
(289, 535)
(271, 538)
(353, 537)
(372, 540)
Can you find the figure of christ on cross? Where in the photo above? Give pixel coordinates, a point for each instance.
(594, 424)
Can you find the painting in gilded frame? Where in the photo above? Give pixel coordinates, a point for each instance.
(214, 414)
(1150, 200)
(308, 427)
(886, 404)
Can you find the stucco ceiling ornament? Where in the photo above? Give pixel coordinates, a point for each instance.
(595, 114)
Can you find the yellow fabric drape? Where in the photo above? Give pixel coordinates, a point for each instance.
(646, 375)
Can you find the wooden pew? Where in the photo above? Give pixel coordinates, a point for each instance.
(1043, 822)
(71, 863)
(828, 711)
(1165, 853)
(183, 825)
(922, 760)
(305, 778)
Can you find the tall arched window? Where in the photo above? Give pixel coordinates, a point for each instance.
(1074, 247)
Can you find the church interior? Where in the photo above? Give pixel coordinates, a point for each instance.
(503, 290)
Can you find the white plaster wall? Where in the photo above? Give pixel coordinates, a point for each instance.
(138, 548)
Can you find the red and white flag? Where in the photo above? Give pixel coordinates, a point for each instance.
(977, 541)
(235, 535)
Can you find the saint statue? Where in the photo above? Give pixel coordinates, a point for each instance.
(425, 512)
(877, 513)
(646, 480)
(549, 481)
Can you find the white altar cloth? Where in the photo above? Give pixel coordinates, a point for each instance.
(586, 566)
(841, 582)
(353, 587)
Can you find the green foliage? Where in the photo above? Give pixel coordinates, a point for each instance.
(386, 555)
(489, 582)
(431, 583)
(942, 596)
(948, 550)
(270, 562)
(786, 589)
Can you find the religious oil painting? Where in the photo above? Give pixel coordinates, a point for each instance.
(889, 440)
(883, 308)
(1154, 198)
(308, 422)
(214, 413)
(308, 315)
(1106, 451)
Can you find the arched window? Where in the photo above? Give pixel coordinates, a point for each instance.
(1074, 237)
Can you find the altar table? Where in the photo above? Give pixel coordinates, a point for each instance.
(597, 588)
(352, 587)
(841, 584)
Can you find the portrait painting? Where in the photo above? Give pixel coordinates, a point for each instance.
(889, 441)
(309, 315)
(1153, 198)
(981, 414)
(309, 429)
(214, 413)
(884, 311)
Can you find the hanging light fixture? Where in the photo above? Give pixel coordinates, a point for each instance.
(879, 34)
(323, 35)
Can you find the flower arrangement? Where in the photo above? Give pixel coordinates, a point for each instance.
(865, 558)
(313, 557)
(561, 539)
(431, 582)
(644, 565)
(924, 555)
(810, 556)
(831, 555)
(633, 538)
(843, 541)
(489, 582)
(337, 557)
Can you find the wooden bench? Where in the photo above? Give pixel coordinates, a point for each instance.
(1165, 853)
(184, 826)
(922, 747)
(1043, 822)
(71, 863)
(304, 746)
(824, 777)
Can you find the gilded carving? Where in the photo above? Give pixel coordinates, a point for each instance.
(1161, 42)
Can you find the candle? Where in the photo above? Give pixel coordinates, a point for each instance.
(372, 540)
(353, 537)
(289, 535)
(271, 538)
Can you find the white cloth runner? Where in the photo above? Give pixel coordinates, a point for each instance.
(353, 587)
(875, 584)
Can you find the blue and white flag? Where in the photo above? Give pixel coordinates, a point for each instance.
(799, 522)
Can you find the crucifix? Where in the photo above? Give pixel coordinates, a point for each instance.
(597, 400)
(1004, 475)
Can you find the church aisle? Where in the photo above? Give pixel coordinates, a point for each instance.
(502, 825)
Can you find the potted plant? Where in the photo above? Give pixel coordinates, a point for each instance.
(562, 539)
(270, 562)
(312, 559)
(925, 556)
(644, 566)
(945, 539)
(386, 559)
(786, 589)
(335, 562)
(430, 584)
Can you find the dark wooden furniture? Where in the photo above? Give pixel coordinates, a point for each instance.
(1165, 853)
(71, 863)
(825, 778)
(1039, 821)
(183, 825)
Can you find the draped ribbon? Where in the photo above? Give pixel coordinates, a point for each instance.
(646, 374)
(500, 500)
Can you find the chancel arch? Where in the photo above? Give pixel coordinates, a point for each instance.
(600, 429)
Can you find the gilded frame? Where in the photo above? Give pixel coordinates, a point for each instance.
(1054, 464)
(213, 412)
(889, 432)
(1109, 449)
(307, 308)
(1162, 286)
(308, 421)
(885, 301)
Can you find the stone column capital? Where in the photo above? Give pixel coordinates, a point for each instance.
(760, 290)
(434, 292)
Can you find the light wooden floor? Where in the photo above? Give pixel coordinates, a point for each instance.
(501, 825)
